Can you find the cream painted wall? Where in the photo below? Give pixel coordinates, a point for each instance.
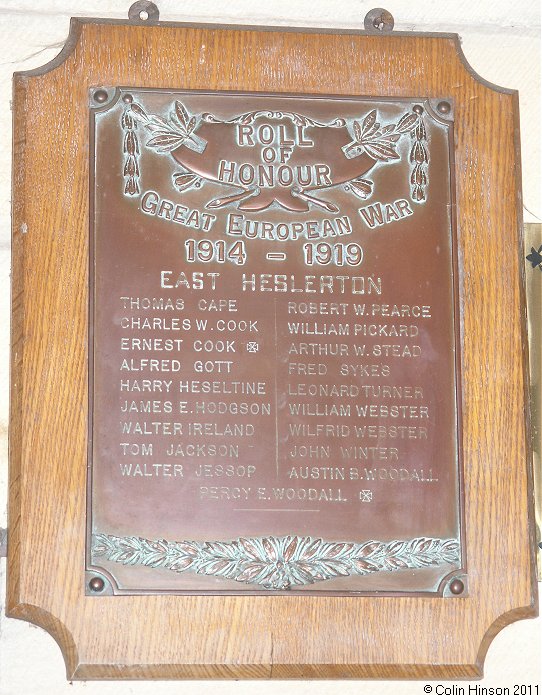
(502, 43)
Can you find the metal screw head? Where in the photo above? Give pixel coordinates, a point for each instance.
(100, 96)
(457, 587)
(418, 109)
(378, 21)
(444, 107)
(127, 98)
(144, 11)
(96, 584)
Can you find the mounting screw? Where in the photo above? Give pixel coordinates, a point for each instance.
(100, 96)
(457, 587)
(127, 98)
(418, 109)
(144, 11)
(444, 107)
(378, 21)
(96, 584)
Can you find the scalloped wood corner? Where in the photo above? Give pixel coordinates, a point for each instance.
(273, 636)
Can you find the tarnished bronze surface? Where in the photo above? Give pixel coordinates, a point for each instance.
(274, 359)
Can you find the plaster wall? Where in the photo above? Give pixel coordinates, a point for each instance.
(501, 41)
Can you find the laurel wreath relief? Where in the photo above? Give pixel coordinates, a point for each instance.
(277, 563)
(178, 129)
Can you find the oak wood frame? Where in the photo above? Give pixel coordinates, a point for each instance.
(164, 637)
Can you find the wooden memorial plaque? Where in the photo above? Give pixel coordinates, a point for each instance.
(268, 384)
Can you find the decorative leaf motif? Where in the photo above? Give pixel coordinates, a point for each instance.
(290, 549)
(364, 566)
(158, 122)
(420, 133)
(419, 158)
(395, 563)
(381, 151)
(166, 142)
(418, 153)
(418, 176)
(127, 121)
(312, 548)
(130, 149)
(185, 180)
(183, 547)
(250, 548)
(278, 563)
(360, 187)
(250, 572)
(168, 134)
(395, 547)
(138, 112)
(182, 113)
(418, 194)
(420, 545)
(180, 564)
(407, 122)
(216, 566)
(131, 145)
(357, 131)
(269, 549)
(369, 121)
(336, 549)
(378, 142)
(131, 187)
(131, 167)
(371, 548)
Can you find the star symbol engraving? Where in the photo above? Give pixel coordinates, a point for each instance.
(535, 257)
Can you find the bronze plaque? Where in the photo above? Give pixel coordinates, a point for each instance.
(274, 348)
